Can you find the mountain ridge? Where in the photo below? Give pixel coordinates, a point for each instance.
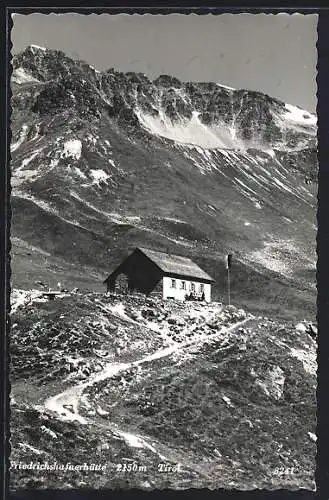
(163, 78)
(149, 100)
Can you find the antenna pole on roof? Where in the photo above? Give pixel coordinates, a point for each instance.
(228, 261)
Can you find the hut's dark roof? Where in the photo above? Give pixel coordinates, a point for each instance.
(176, 264)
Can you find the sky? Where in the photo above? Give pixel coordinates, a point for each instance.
(274, 54)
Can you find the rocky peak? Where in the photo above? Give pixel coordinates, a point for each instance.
(167, 81)
(235, 119)
(43, 64)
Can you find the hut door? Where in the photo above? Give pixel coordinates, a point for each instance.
(122, 283)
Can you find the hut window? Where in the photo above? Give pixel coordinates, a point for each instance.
(183, 285)
(173, 283)
(192, 287)
(201, 287)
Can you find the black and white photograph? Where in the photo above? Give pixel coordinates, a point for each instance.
(164, 181)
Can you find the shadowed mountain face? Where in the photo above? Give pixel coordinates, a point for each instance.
(104, 162)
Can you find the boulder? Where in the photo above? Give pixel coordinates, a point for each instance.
(301, 327)
(312, 331)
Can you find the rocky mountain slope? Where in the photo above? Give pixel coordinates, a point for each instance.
(105, 161)
(221, 398)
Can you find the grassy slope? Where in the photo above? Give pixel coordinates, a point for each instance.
(82, 257)
(278, 299)
(88, 243)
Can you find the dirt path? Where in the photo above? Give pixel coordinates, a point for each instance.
(66, 404)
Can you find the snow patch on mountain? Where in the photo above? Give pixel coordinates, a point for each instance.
(28, 160)
(33, 46)
(225, 86)
(270, 152)
(20, 76)
(174, 219)
(93, 68)
(281, 185)
(22, 174)
(295, 120)
(54, 162)
(24, 244)
(99, 176)
(245, 186)
(112, 216)
(191, 131)
(42, 204)
(73, 148)
(79, 173)
(299, 115)
(21, 139)
(46, 207)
